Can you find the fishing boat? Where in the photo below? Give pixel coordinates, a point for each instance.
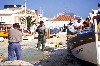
(86, 44)
(4, 28)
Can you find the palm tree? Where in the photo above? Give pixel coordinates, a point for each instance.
(29, 22)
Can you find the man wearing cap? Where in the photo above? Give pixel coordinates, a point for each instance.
(14, 39)
(41, 30)
(70, 27)
(78, 24)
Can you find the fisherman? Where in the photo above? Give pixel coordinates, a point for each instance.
(86, 24)
(78, 24)
(64, 28)
(70, 27)
(14, 39)
(41, 30)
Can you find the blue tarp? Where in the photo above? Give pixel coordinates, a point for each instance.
(84, 31)
(54, 31)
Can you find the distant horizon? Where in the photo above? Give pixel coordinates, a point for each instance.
(51, 8)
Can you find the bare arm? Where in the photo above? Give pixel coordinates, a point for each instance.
(35, 31)
(90, 24)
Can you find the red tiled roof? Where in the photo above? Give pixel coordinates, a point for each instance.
(64, 18)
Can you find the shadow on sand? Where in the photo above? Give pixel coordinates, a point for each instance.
(61, 57)
(58, 57)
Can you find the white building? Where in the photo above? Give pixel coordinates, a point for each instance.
(17, 15)
(42, 18)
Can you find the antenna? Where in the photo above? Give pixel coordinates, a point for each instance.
(40, 10)
(25, 14)
(42, 13)
(65, 11)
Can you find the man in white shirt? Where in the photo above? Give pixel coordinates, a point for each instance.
(78, 24)
(70, 28)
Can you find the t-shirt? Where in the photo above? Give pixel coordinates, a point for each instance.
(77, 24)
(71, 28)
(41, 29)
(14, 35)
(41, 33)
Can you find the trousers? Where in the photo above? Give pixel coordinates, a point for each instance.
(12, 49)
(39, 45)
(41, 40)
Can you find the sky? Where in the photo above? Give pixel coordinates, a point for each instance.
(51, 8)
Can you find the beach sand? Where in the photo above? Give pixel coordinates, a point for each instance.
(52, 55)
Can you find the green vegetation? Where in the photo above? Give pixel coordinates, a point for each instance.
(29, 22)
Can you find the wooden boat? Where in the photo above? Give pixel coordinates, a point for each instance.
(3, 30)
(86, 45)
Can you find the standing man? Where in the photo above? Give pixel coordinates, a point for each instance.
(41, 30)
(14, 39)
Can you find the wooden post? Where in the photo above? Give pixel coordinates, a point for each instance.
(48, 33)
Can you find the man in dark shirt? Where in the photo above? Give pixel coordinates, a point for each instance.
(41, 30)
(86, 24)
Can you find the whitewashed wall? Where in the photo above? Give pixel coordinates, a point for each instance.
(53, 24)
